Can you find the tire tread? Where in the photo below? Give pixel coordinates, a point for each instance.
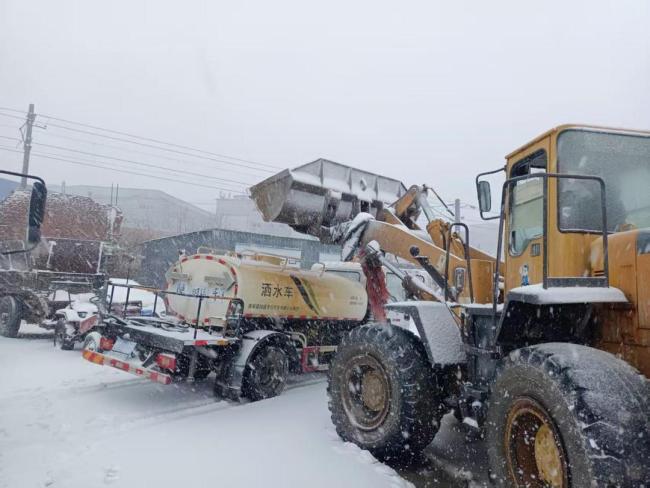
(608, 421)
(420, 415)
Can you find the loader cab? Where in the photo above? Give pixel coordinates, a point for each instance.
(565, 192)
(575, 213)
(525, 218)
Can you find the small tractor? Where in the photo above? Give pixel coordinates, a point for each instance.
(546, 353)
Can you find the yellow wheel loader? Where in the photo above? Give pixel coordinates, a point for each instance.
(545, 349)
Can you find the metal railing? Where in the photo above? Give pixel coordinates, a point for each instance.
(597, 281)
(159, 295)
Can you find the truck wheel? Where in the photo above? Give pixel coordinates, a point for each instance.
(91, 342)
(563, 415)
(383, 392)
(266, 373)
(11, 311)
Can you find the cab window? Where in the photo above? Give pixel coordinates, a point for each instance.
(526, 221)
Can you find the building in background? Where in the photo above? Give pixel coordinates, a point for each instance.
(153, 212)
(150, 214)
(240, 213)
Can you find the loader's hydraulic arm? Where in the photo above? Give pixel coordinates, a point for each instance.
(399, 241)
(339, 204)
(439, 251)
(413, 286)
(438, 230)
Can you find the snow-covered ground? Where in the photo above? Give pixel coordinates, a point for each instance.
(67, 423)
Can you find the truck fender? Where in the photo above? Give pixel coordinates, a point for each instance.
(436, 328)
(251, 342)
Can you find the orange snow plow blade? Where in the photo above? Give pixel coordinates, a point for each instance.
(105, 360)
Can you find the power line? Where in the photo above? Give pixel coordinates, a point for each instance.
(156, 141)
(139, 163)
(127, 169)
(13, 116)
(453, 215)
(158, 147)
(180, 146)
(5, 148)
(14, 110)
(130, 150)
(441, 214)
(12, 139)
(271, 167)
(128, 141)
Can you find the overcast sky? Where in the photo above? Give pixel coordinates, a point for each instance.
(431, 91)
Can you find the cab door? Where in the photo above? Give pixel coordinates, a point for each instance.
(525, 218)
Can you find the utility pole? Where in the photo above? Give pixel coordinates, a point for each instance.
(457, 210)
(27, 143)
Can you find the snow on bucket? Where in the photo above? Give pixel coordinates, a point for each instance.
(323, 193)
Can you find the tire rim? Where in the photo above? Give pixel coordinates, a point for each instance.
(271, 370)
(366, 392)
(91, 345)
(534, 452)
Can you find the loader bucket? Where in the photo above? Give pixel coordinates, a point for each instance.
(323, 193)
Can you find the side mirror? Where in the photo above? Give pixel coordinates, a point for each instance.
(484, 196)
(36, 212)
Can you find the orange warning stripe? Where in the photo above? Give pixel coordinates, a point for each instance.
(104, 360)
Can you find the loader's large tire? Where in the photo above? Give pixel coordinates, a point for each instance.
(570, 416)
(383, 394)
(266, 373)
(11, 312)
